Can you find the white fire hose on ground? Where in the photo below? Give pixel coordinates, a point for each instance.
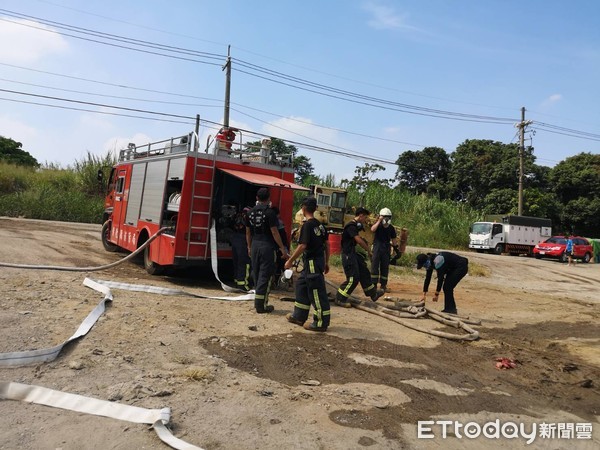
(414, 311)
(159, 419)
(88, 269)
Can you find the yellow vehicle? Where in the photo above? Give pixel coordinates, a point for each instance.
(331, 207)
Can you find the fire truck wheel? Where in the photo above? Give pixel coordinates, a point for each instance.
(151, 267)
(108, 246)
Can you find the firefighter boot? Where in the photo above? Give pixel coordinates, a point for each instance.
(377, 294)
(268, 309)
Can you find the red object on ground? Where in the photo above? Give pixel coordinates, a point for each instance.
(505, 363)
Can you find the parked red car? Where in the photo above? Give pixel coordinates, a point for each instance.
(555, 246)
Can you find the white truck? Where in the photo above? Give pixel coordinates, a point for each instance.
(510, 234)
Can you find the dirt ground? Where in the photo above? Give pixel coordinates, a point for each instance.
(238, 380)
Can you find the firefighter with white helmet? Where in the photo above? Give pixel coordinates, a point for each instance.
(384, 234)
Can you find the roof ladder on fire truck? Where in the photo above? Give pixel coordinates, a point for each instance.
(202, 185)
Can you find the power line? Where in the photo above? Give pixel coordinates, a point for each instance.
(574, 133)
(101, 105)
(123, 86)
(364, 155)
(114, 45)
(394, 141)
(311, 69)
(197, 97)
(299, 83)
(111, 96)
(291, 81)
(161, 117)
(92, 111)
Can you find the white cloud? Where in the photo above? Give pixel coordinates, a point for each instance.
(17, 131)
(554, 98)
(27, 44)
(384, 17)
(392, 130)
(116, 143)
(300, 128)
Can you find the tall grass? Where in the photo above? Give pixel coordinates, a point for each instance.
(431, 222)
(74, 194)
(52, 193)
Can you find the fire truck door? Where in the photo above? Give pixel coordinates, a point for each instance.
(120, 204)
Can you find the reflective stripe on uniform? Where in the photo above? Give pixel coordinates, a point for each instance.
(344, 292)
(318, 308)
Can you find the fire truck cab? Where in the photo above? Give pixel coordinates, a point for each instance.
(171, 184)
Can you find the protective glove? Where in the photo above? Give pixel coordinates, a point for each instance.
(397, 254)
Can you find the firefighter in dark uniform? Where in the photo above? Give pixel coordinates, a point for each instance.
(355, 266)
(384, 233)
(310, 287)
(239, 249)
(263, 239)
(451, 268)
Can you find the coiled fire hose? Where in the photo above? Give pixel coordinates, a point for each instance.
(415, 311)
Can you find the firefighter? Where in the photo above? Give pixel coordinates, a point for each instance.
(263, 239)
(451, 268)
(224, 138)
(383, 232)
(239, 248)
(286, 243)
(355, 266)
(310, 287)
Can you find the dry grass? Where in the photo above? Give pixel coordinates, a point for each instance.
(197, 374)
(477, 270)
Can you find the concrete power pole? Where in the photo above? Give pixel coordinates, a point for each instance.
(227, 67)
(521, 125)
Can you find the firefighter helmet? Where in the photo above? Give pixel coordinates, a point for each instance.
(385, 212)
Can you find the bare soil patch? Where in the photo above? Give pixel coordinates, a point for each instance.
(238, 380)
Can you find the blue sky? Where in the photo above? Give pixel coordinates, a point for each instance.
(434, 57)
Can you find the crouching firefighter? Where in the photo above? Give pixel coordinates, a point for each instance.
(310, 287)
(263, 239)
(355, 266)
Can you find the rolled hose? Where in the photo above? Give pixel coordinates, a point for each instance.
(88, 269)
(453, 321)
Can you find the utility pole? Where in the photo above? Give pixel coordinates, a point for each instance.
(521, 125)
(227, 67)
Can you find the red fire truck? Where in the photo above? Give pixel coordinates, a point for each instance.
(171, 184)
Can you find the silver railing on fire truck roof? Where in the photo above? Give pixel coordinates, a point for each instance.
(181, 144)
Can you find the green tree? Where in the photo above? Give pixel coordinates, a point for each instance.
(481, 166)
(424, 171)
(363, 179)
(11, 152)
(576, 176)
(576, 183)
(303, 169)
